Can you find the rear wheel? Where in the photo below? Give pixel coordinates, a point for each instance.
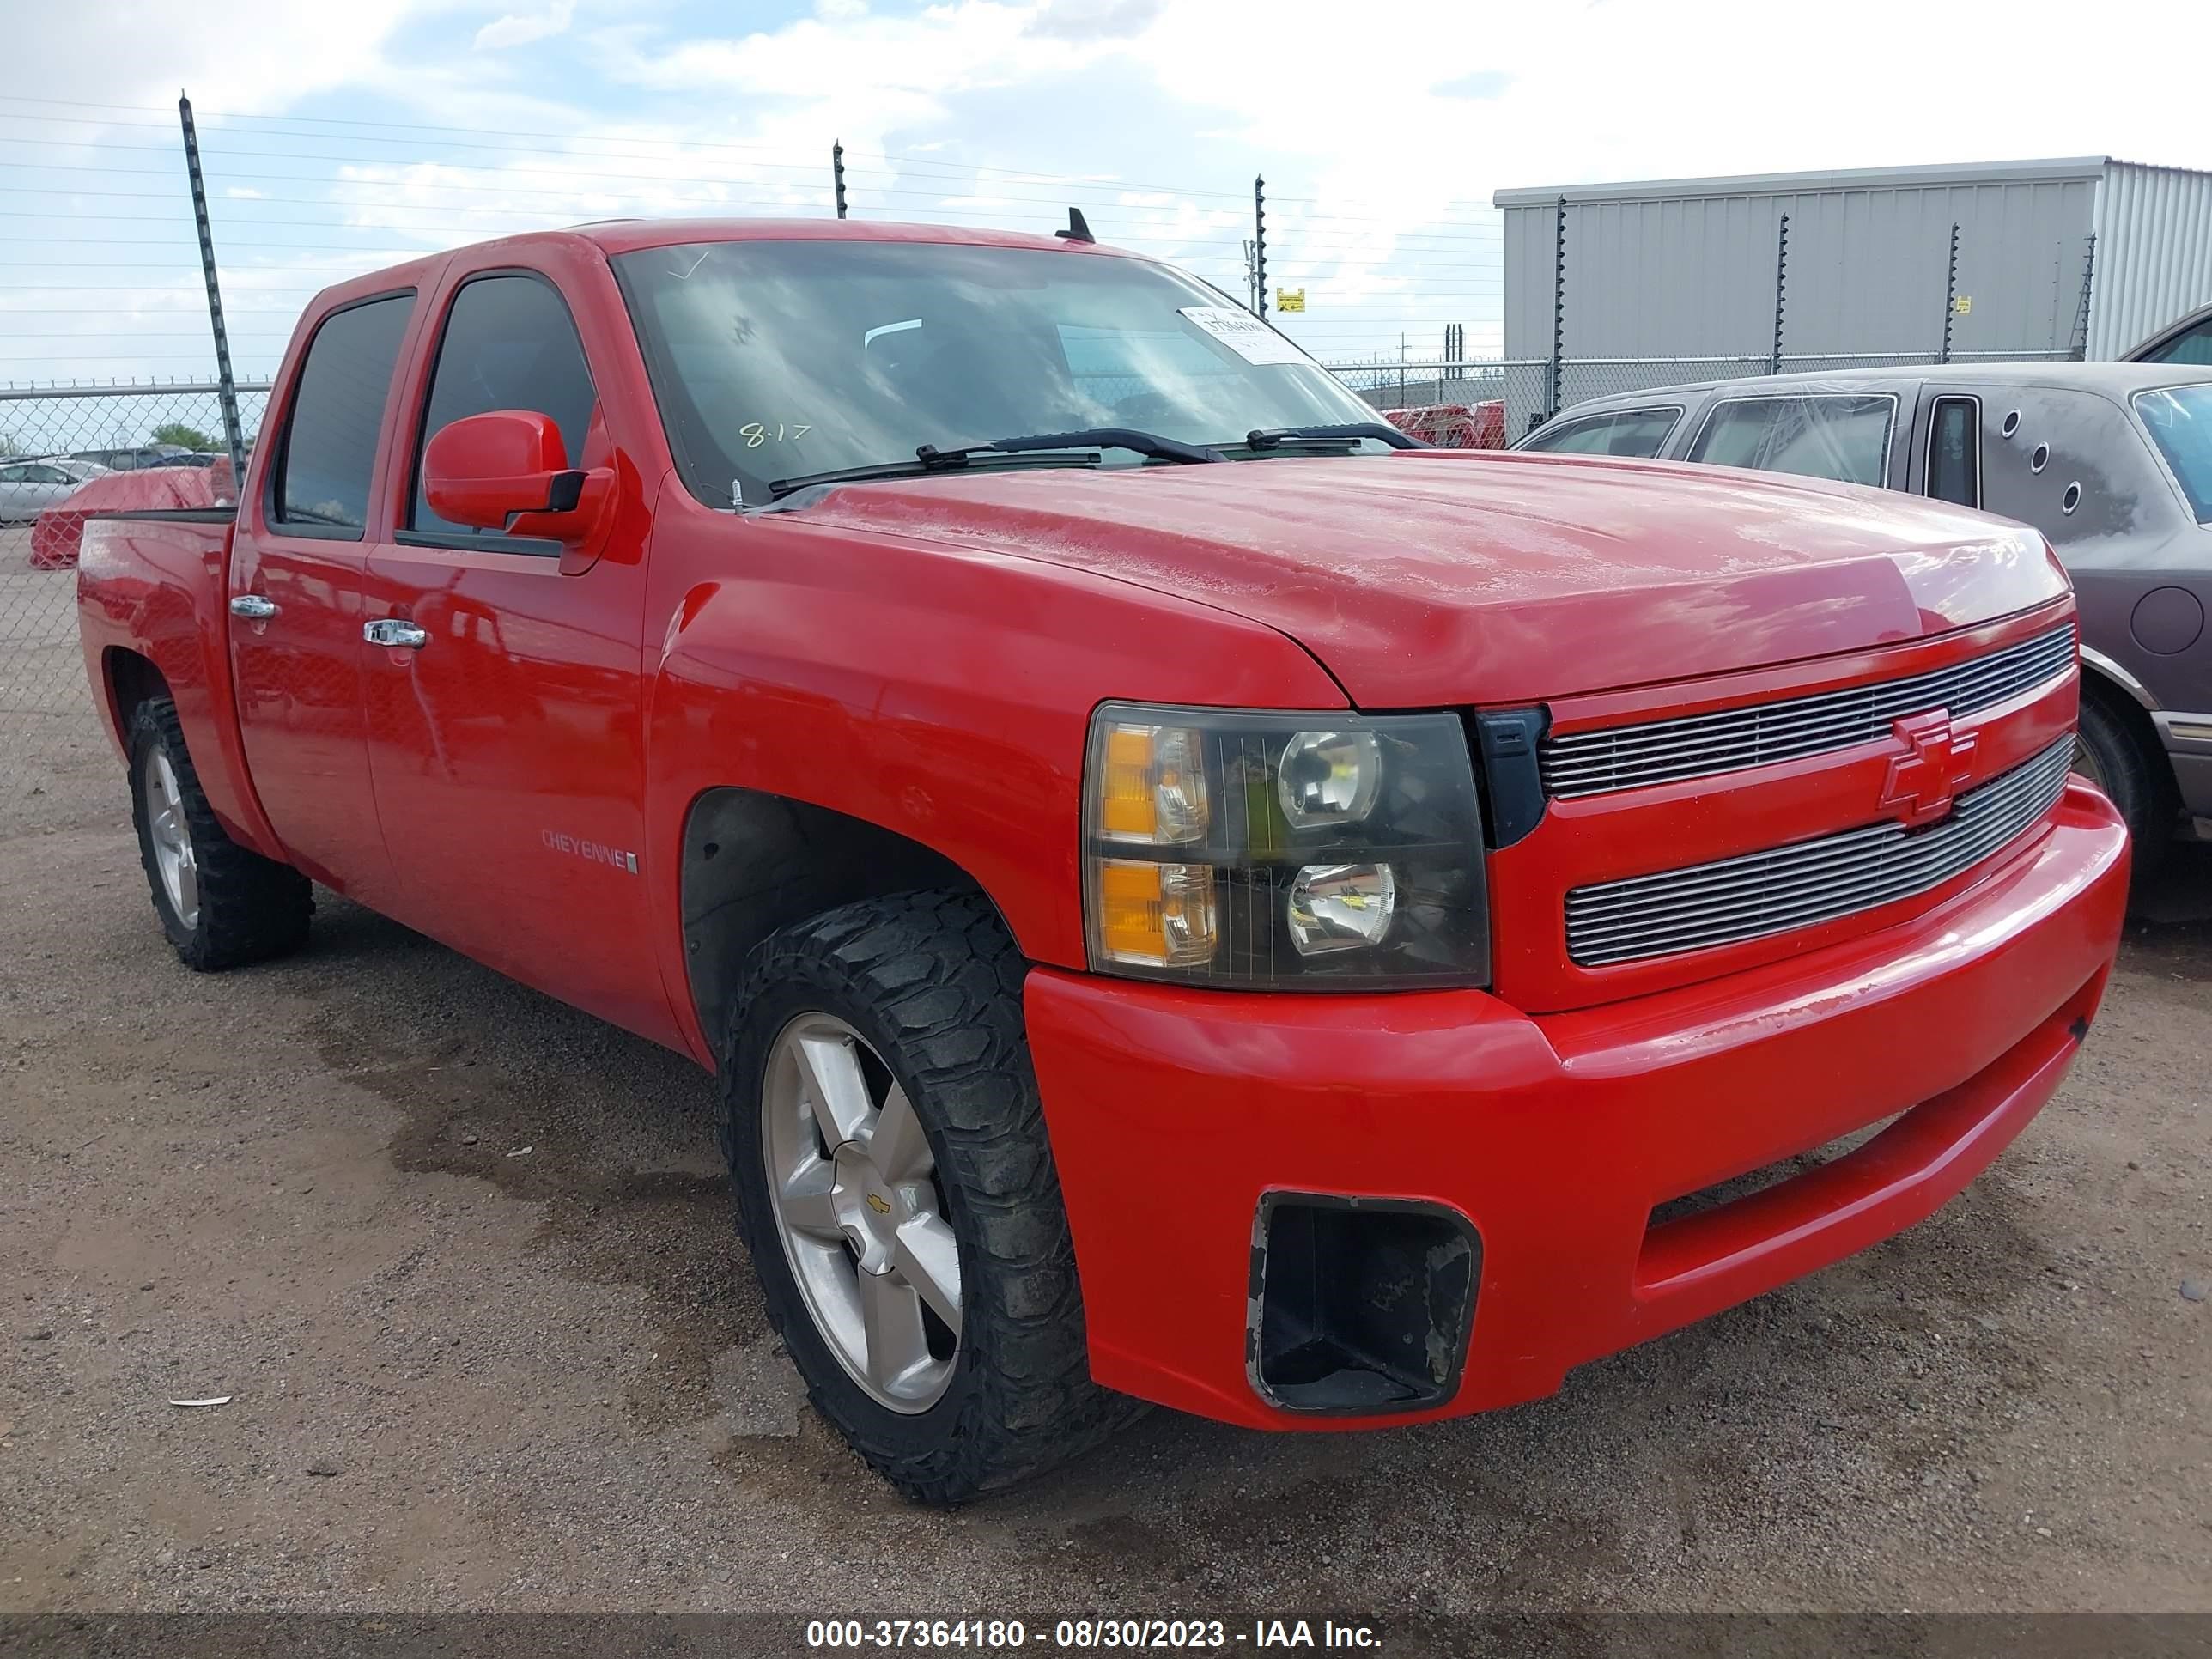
(2111, 754)
(895, 1188)
(221, 905)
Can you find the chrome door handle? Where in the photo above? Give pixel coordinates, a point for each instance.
(391, 630)
(254, 606)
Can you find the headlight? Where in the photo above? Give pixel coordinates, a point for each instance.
(1229, 849)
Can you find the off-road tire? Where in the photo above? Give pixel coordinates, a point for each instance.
(250, 908)
(2138, 783)
(933, 983)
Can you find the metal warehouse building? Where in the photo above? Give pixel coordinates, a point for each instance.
(2084, 256)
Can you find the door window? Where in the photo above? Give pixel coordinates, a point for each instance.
(1637, 433)
(1814, 435)
(323, 470)
(509, 343)
(1954, 451)
(2192, 346)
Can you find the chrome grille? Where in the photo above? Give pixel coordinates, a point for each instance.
(1699, 746)
(1807, 882)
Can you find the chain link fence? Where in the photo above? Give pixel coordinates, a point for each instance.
(68, 454)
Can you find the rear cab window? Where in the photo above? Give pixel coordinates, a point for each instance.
(1639, 434)
(1842, 436)
(508, 342)
(321, 483)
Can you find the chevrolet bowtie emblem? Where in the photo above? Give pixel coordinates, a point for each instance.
(1936, 763)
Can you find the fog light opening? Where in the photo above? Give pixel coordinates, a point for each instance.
(1359, 1306)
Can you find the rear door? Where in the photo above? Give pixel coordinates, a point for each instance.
(295, 601)
(507, 746)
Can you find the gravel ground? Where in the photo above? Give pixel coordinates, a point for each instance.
(464, 1375)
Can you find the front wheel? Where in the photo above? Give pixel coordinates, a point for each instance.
(895, 1188)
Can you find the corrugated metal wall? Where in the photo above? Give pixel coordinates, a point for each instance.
(2154, 252)
(1681, 273)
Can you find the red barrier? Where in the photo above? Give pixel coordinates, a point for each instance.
(57, 530)
(1453, 426)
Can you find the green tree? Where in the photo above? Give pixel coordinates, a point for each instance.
(189, 437)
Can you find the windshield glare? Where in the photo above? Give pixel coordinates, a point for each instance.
(773, 360)
(2180, 421)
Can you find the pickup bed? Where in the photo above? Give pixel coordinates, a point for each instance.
(1190, 895)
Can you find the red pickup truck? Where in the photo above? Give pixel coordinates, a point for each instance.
(1190, 895)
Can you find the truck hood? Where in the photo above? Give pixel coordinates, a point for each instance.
(1431, 577)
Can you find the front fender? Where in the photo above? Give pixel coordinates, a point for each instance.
(936, 692)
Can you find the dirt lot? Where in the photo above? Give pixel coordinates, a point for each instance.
(464, 1378)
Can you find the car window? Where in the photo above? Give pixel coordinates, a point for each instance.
(329, 441)
(36, 474)
(2180, 421)
(1638, 433)
(2193, 346)
(1954, 451)
(1815, 435)
(509, 343)
(12, 474)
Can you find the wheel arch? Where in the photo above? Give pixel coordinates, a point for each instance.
(128, 678)
(2122, 696)
(754, 862)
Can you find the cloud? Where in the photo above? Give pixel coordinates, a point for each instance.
(1482, 83)
(519, 28)
(1095, 20)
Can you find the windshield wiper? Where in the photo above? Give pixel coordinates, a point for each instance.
(1105, 437)
(928, 460)
(1079, 448)
(1382, 431)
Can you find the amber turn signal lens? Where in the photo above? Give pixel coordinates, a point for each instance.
(1151, 787)
(1155, 915)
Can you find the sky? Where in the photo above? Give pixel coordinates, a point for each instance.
(342, 137)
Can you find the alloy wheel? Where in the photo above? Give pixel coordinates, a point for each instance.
(860, 1211)
(173, 839)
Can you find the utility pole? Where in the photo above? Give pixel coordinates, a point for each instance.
(1950, 295)
(1260, 246)
(837, 175)
(1781, 287)
(1559, 306)
(2081, 342)
(226, 386)
(1251, 277)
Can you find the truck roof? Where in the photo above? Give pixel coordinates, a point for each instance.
(614, 236)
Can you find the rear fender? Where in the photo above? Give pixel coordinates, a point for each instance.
(153, 589)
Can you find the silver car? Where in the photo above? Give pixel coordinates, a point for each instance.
(27, 487)
(2112, 462)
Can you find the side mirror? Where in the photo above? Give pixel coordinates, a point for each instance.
(508, 470)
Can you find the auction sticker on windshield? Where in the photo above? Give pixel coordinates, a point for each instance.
(1244, 334)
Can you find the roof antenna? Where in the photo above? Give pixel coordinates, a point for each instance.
(1077, 230)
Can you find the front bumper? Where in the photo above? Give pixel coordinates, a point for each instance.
(1172, 1112)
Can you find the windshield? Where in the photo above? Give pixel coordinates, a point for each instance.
(772, 359)
(2180, 421)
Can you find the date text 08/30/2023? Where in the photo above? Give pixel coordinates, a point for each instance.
(1084, 1634)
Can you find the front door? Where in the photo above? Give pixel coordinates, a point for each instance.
(295, 605)
(506, 735)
